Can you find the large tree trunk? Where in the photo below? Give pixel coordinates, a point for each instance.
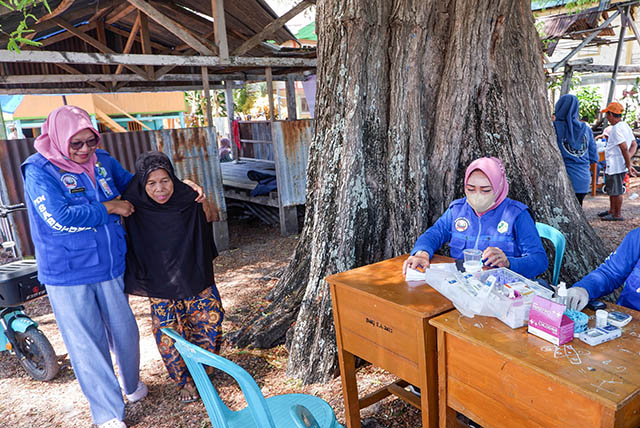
(409, 93)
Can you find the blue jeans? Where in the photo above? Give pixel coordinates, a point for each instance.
(93, 319)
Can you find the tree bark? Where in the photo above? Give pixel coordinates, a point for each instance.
(409, 93)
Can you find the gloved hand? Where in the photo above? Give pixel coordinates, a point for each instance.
(577, 298)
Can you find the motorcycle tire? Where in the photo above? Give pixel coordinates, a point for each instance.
(41, 361)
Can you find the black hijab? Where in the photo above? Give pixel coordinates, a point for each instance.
(170, 248)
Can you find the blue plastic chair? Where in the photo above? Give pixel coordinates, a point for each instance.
(282, 411)
(559, 242)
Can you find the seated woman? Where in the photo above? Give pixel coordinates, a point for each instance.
(170, 260)
(487, 220)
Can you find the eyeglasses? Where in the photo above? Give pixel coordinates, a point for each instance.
(77, 145)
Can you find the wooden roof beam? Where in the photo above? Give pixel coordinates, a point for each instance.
(157, 60)
(102, 38)
(90, 90)
(65, 35)
(137, 38)
(120, 12)
(72, 70)
(129, 43)
(272, 28)
(220, 28)
(93, 42)
(77, 76)
(175, 28)
(146, 41)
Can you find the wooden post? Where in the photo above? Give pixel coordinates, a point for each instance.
(228, 100)
(207, 95)
(291, 98)
(288, 215)
(612, 87)
(220, 28)
(566, 80)
(269, 76)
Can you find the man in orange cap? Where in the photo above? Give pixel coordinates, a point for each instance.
(620, 143)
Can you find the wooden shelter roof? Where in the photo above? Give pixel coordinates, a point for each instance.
(142, 45)
(579, 25)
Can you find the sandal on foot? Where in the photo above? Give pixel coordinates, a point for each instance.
(603, 214)
(188, 394)
(610, 217)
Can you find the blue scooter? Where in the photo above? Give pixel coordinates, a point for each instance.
(19, 334)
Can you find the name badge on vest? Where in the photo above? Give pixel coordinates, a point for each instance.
(105, 188)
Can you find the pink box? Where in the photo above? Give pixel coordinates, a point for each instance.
(547, 321)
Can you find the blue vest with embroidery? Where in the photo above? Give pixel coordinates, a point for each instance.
(69, 254)
(630, 296)
(493, 229)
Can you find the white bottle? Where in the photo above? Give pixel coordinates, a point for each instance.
(561, 295)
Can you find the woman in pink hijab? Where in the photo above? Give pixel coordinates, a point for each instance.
(72, 192)
(486, 220)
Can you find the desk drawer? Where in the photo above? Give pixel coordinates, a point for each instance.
(381, 334)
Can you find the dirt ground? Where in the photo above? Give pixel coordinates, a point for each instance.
(244, 275)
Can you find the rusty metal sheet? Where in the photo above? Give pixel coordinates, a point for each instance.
(257, 130)
(194, 154)
(292, 139)
(12, 154)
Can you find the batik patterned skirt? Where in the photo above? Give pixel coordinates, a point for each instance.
(198, 319)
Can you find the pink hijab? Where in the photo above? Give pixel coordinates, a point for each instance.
(62, 124)
(494, 170)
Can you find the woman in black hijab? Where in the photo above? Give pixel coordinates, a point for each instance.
(170, 252)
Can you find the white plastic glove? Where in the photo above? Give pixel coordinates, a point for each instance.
(577, 298)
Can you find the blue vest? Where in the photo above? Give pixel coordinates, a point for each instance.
(630, 296)
(493, 229)
(73, 254)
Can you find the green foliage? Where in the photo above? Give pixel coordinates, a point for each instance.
(243, 100)
(590, 101)
(17, 36)
(555, 82)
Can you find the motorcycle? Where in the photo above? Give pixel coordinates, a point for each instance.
(19, 334)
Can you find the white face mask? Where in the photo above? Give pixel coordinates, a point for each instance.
(481, 202)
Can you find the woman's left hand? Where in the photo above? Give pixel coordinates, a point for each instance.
(495, 257)
(201, 197)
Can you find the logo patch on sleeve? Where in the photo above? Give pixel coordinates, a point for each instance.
(69, 181)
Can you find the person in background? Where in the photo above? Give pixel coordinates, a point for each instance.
(620, 144)
(72, 192)
(13, 133)
(487, 220)
(576, 143)
(225, 150)
(621, 268)
(177, 275)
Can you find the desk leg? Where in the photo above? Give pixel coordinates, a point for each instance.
(349, 388)
(447, 414)
(429, 373)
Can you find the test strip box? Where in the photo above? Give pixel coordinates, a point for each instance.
(547, 321)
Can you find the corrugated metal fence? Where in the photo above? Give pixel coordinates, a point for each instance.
(193, 151)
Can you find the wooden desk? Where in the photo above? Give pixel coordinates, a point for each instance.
(383, 320)
(501, 377)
